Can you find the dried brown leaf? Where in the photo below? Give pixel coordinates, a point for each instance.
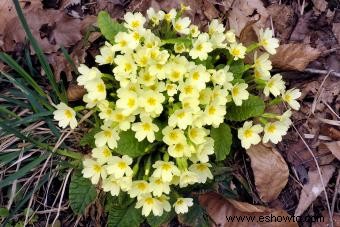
(313, 188)
(283, 19)
(326, 222)
(294, 56)
(336, 31)
(244, 11)
(334, 147)
(320, 5)
(219, 208)
(75, 92)
(51, 28)
(270, 171)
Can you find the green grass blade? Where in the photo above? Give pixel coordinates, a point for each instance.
(24, 200)
(14, 65)
(42, 58)
(22, 171)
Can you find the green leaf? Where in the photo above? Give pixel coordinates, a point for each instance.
(252, 107)
(108, 27)
(156, 221)
(161, 125)
(184, 40)
(81, 193)
(88, 138)
(4, 212)
(222, 141)
(129, 145)
(238, 68)
(195, 217)
(125, 216)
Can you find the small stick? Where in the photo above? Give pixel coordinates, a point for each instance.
(320, 71)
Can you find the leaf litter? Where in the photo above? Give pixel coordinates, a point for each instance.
(305, 38)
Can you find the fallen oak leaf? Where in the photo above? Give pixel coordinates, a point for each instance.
(334, 147)
(294, 56)
(270, 171)
(227, 212)
(51, 28)
(243, 11)
(314, 187)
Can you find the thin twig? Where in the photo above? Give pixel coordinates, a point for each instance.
(320, 175)
(62, 195)
(320, 71)
(336, 191)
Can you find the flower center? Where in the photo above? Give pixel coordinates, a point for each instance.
(68, 114)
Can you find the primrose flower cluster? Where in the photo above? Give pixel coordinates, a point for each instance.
(157, 79)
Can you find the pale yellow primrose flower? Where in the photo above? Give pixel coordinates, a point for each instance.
(273, 131)
(139, 188)
(158, 186)
(93, 170)
(239, 93)
(145, 129)
(111, 185)
(182, 205)
(173, 136)
(230, 36)
(214, 114)
(106, 56)
(249, 134)
(267, 41)
(179, 150)
(125, 42)
(274, 85)
(187, 178)
(170, 15)
(134, 21)
(119, 166)
(155, 17)
(215, 27)
(290, 97)
(194, 31)
(181, 25)
(203, 151)
(124, 122)
(285, 118)
(152, 101)
(201, 47)
(202, 171)
(101, 154)
(65, 116)
(165, 202)
(107, 136)
(237, 50)
(148, 204)
(165, 170)
(198, 135)
(262, 66)
(127, 102)
(180, 118)
(87, 74)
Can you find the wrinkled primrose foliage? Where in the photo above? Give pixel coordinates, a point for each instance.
(168, 109)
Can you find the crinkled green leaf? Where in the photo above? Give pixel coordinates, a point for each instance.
(195, 217)
(129, 145)
(81, 193)
(222, 141)
(88, 138)
(238, 68)
(109, 27)
(252, 107)
(156, 221)
(125, 216)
